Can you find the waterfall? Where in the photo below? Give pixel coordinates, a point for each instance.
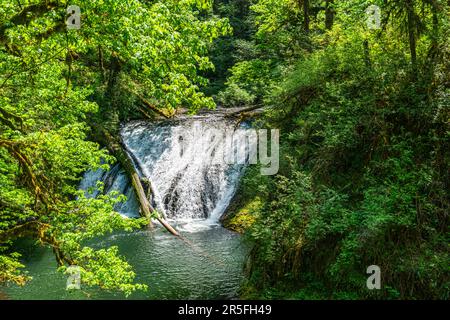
(185, 161)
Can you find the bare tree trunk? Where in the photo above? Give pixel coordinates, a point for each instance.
(412, 36)
(114, 70)
(367, 54)
(304, 4)
(433, 51)
(329, 14)
(101, 64)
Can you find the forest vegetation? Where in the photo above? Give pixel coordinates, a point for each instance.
(363, 112)
(364, 175)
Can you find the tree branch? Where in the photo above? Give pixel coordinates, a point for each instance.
(24, 17)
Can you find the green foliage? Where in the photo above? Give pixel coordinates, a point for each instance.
(234, 47)
(245, 217)
(364, 162)
(89, 218)
(234, 96)
(249, 80)
(56, 84)
(9, 269)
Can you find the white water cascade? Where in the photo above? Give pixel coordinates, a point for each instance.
(183, 159)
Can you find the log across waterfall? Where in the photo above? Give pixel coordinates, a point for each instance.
(186, 188)
(126, 161)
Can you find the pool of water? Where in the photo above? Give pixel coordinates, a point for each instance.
(171, 268)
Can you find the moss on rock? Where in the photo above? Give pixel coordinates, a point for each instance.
(242, 214)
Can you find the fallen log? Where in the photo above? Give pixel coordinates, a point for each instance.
(147, 209)
(148, 105)
(245, 111)
(37, 230)
(122, 156)
(126, 161)
(163, 222)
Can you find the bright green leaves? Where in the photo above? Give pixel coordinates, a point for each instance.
(363, 179)
(248, 83)
(10, 269)
(88, 218)
(63, 155)
(272, 15)
(105, 268)
(49, 78)
(154, 41)
(158, 44)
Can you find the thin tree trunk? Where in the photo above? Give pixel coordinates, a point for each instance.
(435, 36)
(101, 62)
(122, 156)
(114, 70)
(329, 14)
(304, 4)
(433, 51)
(367, 54)
(412, 36)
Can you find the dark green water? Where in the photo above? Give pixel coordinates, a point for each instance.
(170, 268)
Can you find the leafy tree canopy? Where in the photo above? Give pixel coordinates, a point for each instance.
(52, 83)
